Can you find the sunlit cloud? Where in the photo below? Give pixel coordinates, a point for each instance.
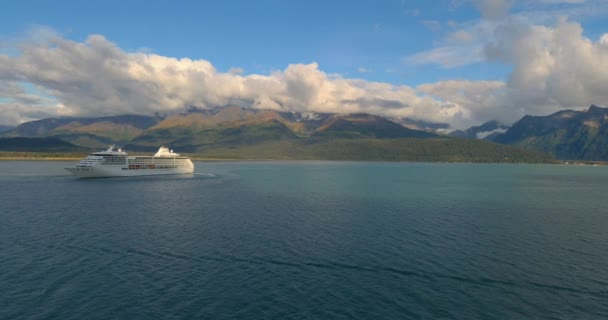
(554, 66)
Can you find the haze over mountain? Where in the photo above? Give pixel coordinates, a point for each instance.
(487, 131)
(421, 125)
(5, 128)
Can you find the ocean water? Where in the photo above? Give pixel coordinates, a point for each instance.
(306, 240)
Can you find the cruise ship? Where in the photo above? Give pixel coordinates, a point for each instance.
(114, 162)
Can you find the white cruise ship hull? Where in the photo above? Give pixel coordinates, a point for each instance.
(104, 172)
(117, 163)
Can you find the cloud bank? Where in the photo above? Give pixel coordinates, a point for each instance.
(96, 77)
(553, 67)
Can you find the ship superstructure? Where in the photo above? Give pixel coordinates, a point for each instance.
(114, 162)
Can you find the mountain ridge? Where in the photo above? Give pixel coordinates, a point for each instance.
(259, 134)
(568, 134)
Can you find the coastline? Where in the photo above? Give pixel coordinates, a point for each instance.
(557, 162)
(76, 156)
(47, 156)
(33, 156)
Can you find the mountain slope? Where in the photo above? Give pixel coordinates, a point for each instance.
(340, 137)
(47, 126)
(37, 145)
(203, 119)
(188, 140)
(421, 125)
(88, 132)
(236, 126)
(487, 131)
(567, 134)
(404, 149)
(237, 132)
(5, 128)
(356, 126)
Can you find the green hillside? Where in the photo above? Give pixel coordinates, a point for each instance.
(244, 133)
(21, 144)
(404, 149)
(95, 132)
(359, 126)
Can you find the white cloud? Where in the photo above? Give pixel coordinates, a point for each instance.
(556, 67)
(459, 47)
(96, 77)
(236, 71)
(478, 99)
(16, 93)
(468, 36)
(484, 134)
(14, 113)
(553, 67)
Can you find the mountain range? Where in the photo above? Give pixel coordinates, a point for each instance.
(567, 134)
(246, 132)
(237, 132)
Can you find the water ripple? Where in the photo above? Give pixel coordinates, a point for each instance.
(306, 241)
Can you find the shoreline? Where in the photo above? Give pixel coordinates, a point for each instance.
(565, 163)
(68, 156)
(194, 158)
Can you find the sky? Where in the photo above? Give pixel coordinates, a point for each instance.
(461, 62)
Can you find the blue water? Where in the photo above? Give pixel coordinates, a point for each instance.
(306, 240)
